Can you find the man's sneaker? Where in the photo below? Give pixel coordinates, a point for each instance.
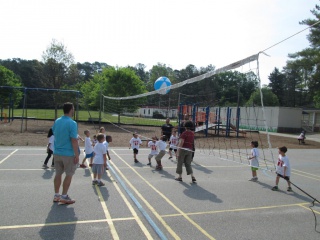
(83, 166)
(289, 189)
(66, 200)
(56, 198)
(149, 163)
(159, 167)
(100, 184)
(94, 182)
(136, 161)
(275, 188)
(254, 179)
(44, 166)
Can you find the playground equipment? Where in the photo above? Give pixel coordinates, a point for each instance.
(210, 118)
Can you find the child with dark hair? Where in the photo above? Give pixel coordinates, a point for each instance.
(254, 160)
(50, 148)
(283, 169)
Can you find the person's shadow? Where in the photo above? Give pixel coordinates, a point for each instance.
(293, 194)
(48, 173)
(196, 192)
(59, 214)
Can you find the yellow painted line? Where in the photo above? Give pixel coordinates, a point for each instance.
(63, 223)
(309, 209)
(306, 176)
(106, 211)
(133, 212)
(167, 200)
(305, 173)
(237, 210)
(157, 215)
(8, 156)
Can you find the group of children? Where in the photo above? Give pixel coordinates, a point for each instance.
(157, 147)
(283, 169)
(97, 151)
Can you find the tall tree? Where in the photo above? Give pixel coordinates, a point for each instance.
(277, 85)
(306, 62)
(269, 98)
(7, 80)
(57, 61)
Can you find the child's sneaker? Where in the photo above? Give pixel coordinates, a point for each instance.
(289, 189)
(136, 161)
(149, 163)
(66, 200)
(90, 165)
(275, 188)
(100, 184)
(159, 167)
(170, 157)
(44, 166)
(94, 182)
(56, 198)
(254, 179)
(52, 166)
(83, 166)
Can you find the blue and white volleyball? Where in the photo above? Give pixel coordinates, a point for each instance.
(162, 85)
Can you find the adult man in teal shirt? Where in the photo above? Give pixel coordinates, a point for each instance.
(66, 153)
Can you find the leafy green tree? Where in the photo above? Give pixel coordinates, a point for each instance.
(277, 85)
(57, 61)
(269, 98)
(303, 68)
(113, 82)
(9, 79)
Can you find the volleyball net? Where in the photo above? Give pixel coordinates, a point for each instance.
(216, 101)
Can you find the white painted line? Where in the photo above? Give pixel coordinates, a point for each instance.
(8, 156)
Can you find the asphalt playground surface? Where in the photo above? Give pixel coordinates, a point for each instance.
(139, 202)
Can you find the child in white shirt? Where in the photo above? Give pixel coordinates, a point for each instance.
(99, 161)
(283, 169)
(254, 160)
(162, 145)
(174, 139)
(135, 143)
(88, 149)
(153, 149)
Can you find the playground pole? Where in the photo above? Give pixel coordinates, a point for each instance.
(218, 119)
(207, 120)
(238, 121)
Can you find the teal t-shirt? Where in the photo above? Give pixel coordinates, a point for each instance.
(64, 128)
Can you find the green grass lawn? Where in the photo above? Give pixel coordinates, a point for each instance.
(48, 114)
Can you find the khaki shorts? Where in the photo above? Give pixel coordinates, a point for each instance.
(160, 155)
(64, 164)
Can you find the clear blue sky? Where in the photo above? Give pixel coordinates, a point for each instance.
(174, 32)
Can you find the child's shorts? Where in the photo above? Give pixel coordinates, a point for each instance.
(287, 177)
(175, 150)
(254, 168)
(89, 155)
(135, 150)
(160, 155)
(98, 168)
(151, 156)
